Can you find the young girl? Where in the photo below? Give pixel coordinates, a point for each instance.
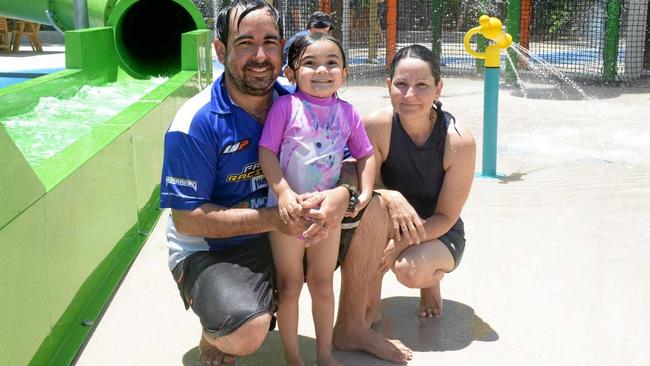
(301, 150)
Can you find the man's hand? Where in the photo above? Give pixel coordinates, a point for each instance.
(325, 210)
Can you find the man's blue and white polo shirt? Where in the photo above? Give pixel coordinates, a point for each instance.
(211, 156)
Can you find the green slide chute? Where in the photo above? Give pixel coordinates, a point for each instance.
(147, 32)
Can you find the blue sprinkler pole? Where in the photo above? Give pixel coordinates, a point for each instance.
(490, 121)
(490, 28)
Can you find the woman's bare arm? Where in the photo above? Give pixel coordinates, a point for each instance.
(405, 221)
(459, 163)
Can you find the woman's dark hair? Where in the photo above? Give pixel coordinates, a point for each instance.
(222, 28)
(298, 47)
(426, 55)
(420, 52)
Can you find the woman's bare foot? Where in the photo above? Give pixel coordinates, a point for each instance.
(293, 359)
(210, 355)
(430, 302)
(327, 360)
(367, 340)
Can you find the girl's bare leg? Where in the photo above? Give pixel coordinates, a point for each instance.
(423, 266)
(321, 259)
(287, 255)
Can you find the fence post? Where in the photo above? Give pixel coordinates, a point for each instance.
(345, 27)
(635, 35)
(391, 32)
(513, 27)
(612, 33)
(325, 6)
(436, 28)
(524, 24)
(372, 37)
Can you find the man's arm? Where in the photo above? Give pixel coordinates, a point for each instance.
(213, 221)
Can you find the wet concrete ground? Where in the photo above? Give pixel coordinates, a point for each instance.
(555, 269)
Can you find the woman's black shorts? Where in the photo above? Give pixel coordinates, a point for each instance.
(454, 240)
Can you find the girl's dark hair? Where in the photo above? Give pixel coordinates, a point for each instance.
(420, 52)
(298, 47)
(222, 28)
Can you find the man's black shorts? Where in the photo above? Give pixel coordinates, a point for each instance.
(227, 288)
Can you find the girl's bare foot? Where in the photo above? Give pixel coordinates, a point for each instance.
(211, 355)
(430, 302)
(327, 360)
(293, 359)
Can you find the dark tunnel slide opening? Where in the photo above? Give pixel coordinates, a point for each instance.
(148, 37)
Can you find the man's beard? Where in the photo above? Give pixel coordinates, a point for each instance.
(251, 85)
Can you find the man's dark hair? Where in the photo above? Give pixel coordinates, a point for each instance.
(320, 20)
(247, 6)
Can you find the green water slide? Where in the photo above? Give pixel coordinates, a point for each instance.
(147, 32)
(72, 223)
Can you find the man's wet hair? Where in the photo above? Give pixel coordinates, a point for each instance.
(222, 28)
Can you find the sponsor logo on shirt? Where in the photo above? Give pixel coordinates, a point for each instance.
(258, 182)
(252, 203)
(237, 146)
(180, 182)
(249, 171)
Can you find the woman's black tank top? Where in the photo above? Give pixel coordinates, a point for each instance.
(417, 171)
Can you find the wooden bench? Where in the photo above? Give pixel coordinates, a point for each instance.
(29, 29)
(4, 34)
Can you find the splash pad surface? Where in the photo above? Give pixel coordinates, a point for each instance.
(556, 252)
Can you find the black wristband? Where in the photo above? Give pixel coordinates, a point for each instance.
(354, 196)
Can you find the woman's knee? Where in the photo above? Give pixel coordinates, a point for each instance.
(413, 276)
(408, 274)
